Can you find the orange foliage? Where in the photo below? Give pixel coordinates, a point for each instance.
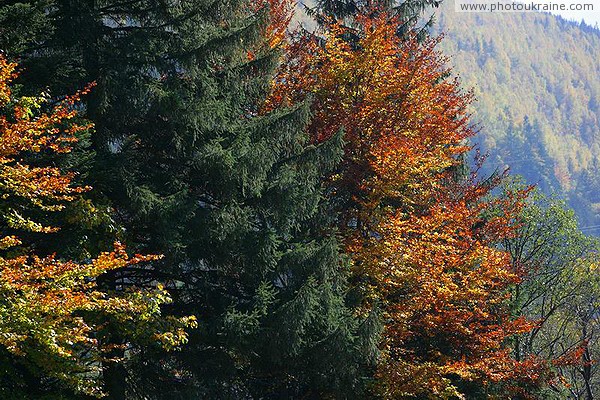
(281, 13)
(52, 312)
(422, 239)
(44, 187)
(574, 357)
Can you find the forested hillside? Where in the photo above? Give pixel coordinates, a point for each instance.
(535, 78)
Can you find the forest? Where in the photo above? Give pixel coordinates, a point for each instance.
(205, 199)
(535, 80)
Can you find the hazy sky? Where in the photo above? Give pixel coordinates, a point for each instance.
(589, 18)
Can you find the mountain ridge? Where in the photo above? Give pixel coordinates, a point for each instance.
(535, 77)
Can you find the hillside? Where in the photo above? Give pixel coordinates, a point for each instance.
(536, 80)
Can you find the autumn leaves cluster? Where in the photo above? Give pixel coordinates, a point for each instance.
(424, 236)
(52, 310)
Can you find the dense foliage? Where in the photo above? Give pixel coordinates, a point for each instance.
(54, 315)
(230, 198)
(317, 230)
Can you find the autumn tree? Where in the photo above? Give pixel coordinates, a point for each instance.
(53, 312)
(559, 291)
(423, 240)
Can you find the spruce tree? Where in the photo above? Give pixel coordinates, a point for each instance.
(409, 12)
(231, 196)
(350, 8)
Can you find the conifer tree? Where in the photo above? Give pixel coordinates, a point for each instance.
(230, 195)
(352, 8)
(407, 12)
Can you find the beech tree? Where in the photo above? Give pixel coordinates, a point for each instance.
(423, 241)
(53, 314)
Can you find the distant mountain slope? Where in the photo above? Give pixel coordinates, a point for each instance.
(537, 80)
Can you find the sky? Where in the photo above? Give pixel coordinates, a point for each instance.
(589, 18)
